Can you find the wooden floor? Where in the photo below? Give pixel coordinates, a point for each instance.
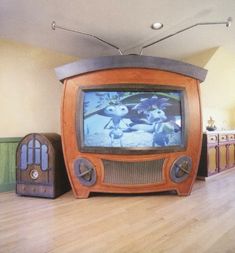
(202, 222)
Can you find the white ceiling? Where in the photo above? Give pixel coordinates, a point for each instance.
(125, 23)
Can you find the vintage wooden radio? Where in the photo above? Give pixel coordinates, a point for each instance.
(131, 124)
(40, 166)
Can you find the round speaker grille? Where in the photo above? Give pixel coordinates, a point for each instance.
(181, 169)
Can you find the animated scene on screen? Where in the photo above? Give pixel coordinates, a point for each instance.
(132, 119)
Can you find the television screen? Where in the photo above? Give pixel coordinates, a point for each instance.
(132, 119)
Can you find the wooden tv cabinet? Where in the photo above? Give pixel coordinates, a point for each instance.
(217, 154)
(138, 169)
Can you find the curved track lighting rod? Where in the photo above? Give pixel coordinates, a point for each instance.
(54, 26)
(228, 23)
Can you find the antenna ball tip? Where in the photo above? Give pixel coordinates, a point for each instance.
(229, 21)
(53, 25)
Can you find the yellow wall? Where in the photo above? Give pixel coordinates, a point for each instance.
(201, 58)
(29, 91)
(218, 90)
(232, 118)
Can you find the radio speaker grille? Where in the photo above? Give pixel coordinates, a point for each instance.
(133, 173)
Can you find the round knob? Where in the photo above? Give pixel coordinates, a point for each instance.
(34, 174)
(85, 171)
(181, 169)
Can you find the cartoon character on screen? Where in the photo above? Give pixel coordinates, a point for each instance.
(116, 111)
(153, 111)
(163, 131)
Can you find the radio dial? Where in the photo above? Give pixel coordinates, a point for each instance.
(34, 174)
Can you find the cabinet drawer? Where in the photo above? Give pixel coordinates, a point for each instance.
(212, 139)
(223, 137)
(231, 137)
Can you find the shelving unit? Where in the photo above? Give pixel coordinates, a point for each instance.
(218, 153)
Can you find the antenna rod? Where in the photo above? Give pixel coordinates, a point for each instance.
(54, 26)
(228, 23)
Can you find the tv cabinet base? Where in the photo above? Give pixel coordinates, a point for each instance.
(136, 176)
(84, 194)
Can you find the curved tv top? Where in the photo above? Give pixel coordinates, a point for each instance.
(129, 61)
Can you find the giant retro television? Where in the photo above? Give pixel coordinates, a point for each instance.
(131, 124)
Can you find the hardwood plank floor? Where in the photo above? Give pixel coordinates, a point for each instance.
(200, 223)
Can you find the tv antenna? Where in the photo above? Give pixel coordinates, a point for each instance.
(54, 26)
(228, 23)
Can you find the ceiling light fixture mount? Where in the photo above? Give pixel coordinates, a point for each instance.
(157, 26)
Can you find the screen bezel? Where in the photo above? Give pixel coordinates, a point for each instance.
(131, 88)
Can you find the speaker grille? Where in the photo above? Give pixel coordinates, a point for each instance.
(133, 173)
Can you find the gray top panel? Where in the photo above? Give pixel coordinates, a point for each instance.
(129, 61)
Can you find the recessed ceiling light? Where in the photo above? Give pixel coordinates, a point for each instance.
(157, 26)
